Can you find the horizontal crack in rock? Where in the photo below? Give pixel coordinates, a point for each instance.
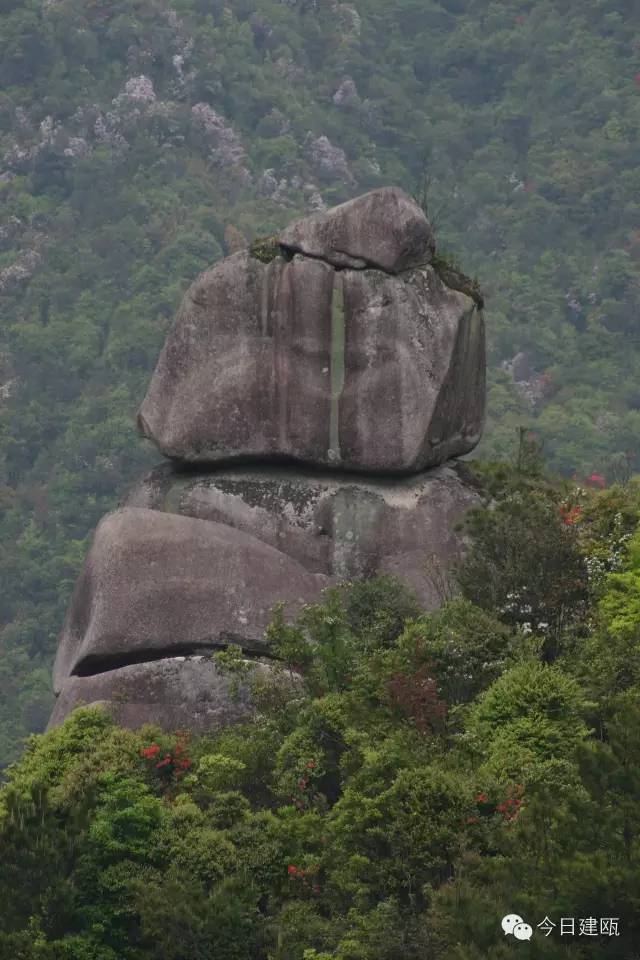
(104, 663)
(291, 251)
(274, 249)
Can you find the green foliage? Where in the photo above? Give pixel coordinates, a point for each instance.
(420, 775)
(265, 249)
(465, 648)
(610, 665)
(525, 561)
(330, 639)
(529, 717)
(620, 605)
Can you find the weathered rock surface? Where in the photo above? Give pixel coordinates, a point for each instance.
(158, 585)
(175, 693)
(305, 388)
(384, 229)
(341, 526)
(353, 369)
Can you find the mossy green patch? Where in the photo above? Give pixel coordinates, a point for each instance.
(265, 249)
(453, 277)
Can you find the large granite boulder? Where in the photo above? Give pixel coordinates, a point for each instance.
(354, 369)
(161, 585)
(340, 526)
(304, 389)
(384, 228)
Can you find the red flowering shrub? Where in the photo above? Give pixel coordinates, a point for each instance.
(570, 515)
(486, 807)
(175, 762)
(304, 877)
(416, 696)
(305, 787)
(545, 384)
(596, 480)
(509, 808)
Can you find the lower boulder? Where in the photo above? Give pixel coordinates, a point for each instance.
(173, 693)
(341, 526)
(193, 562)
(159, 586)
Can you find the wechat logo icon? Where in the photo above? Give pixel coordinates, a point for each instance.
(514, 926)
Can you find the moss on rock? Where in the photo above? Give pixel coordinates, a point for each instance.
(265, 249)
(451, 275)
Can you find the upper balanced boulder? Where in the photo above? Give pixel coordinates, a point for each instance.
(385, 229)
(316, 348)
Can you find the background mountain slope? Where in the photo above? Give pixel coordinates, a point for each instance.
(140, 141)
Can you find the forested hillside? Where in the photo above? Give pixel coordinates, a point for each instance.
(140, 141)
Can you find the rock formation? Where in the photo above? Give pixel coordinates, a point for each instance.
(335, 525)
(351, 354)
(311, 396)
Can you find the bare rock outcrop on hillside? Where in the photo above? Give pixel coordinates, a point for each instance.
(311, 396)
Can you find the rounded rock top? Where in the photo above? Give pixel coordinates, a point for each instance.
(384, 229)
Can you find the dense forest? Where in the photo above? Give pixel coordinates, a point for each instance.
(409, 780)
(139, 142)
